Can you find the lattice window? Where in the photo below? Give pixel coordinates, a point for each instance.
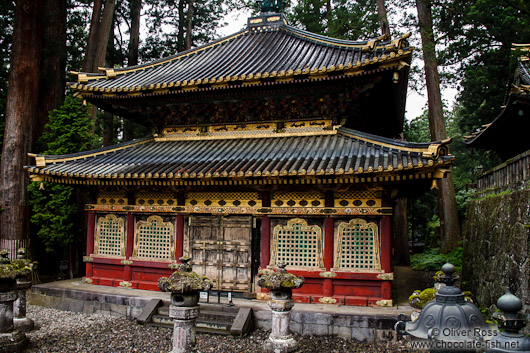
(357, 246)
(110, 236)
(297, 199)
(154, 239)
(297, 245)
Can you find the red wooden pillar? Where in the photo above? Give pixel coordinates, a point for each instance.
(179, 239)
(90, 241)
(328, 254)
(127, 270)
(265, 241)
(386, 255)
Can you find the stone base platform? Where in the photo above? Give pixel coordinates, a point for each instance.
(362, 323)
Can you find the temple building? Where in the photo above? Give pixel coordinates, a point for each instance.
(270, 145)
(500, 135)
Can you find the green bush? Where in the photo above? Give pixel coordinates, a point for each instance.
(432, 260)
(54, 205)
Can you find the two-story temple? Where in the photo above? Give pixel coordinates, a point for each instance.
(272, 144)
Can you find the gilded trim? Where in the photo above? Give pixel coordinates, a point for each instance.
(386, 276)
(365, 211)
(384, 303)
(88, 259)
(327, 300)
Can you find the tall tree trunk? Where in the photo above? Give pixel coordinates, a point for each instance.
(189, 25)
(100, 26)
(449, 223)
(383, 18)
(181, 27)
(132, 58)
(134, 39)
(400, 232)
(88, 61)
(53, 62)
(21, 112)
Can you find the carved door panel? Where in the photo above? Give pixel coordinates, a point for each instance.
(236, 253)
(204, 234)
(221, 250)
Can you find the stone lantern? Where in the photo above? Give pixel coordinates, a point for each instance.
(21, 322)
(511, 321)
(448, 323)
(281, 283)
(11, 340)
(184, 286)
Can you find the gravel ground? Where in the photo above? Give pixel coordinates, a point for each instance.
(68, 332)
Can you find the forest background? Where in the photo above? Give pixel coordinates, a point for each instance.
(473, 48)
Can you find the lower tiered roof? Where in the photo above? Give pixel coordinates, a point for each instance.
(246, 152)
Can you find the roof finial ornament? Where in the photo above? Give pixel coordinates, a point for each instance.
(270, 5)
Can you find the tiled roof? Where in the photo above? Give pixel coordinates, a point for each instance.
(260, 53)
(331, 152)
(509, 125)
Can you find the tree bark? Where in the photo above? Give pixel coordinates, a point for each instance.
(383, 18)
(88, 62)
(181, 27)
(449, 223)
(189, 25)
(53, 62)
(132, 58)
(400, 232)
(134, 39)
(98, 36)
(21, 112)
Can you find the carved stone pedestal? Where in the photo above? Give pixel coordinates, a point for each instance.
(10, 340)
(184, 334)
(280, 340)
(20, 321)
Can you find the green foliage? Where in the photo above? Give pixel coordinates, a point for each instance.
(432, 260)
(54, 205)
(337, 18)
(166, 26)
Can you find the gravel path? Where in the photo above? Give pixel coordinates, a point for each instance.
(68, 332)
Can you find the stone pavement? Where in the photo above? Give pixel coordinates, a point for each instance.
(362, 323)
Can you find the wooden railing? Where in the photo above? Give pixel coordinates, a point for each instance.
(513, 174)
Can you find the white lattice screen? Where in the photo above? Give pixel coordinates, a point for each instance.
(297, 244)
(357, 246)
(110, 236)
(154, 239)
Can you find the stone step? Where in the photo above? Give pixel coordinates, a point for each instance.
(213, 318)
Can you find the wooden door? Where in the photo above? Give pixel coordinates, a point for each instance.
(221, 250)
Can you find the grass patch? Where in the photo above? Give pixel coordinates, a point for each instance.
(432, 260)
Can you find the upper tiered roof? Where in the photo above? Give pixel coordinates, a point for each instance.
(268, 50)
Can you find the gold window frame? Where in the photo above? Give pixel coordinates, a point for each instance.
(304, 227)
(363, 225)
(149, 223)
(110, 218)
